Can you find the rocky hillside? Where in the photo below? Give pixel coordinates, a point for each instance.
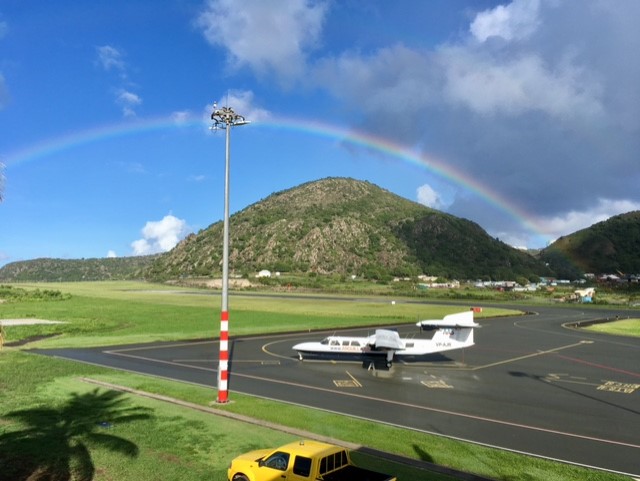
(346, 226)
(611, 246)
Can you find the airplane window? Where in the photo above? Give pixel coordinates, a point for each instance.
(355, 343)
(409, 344)
(335, 343)
(325, 341)
(345, 343)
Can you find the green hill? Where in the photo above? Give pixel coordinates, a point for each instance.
(606, 247)
(349, 227)
(331, 226)
(72, 270)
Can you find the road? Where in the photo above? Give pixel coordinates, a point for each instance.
(529, 384)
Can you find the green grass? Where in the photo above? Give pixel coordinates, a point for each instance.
(626, 327)
(44, 404)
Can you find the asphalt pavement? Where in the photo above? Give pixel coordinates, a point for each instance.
(529, 385)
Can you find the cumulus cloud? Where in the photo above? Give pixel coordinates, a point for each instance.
(530, 104)
(112, 254)
(516, 20)
(160, 236)
(128, 101)
(513, 87)
(526, 101)
(270, 37)
(572, 221)
(428, 196)
(110, 58)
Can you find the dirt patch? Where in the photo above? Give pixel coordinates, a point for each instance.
(26, 322)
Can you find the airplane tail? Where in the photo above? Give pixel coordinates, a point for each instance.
(455, 331)
(453, 338)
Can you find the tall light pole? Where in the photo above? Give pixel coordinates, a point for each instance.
(225, 118)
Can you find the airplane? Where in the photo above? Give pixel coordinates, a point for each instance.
(454, 331)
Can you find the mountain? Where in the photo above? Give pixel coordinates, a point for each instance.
(72, 270)
(349, 227)
(606, 247)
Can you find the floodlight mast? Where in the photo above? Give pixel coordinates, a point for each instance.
(226, 118)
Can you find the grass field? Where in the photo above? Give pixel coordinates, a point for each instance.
(625, 327)
(55, 426)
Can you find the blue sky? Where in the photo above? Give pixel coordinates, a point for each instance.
(521, 116)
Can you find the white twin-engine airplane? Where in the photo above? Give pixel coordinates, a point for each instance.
(454, 331)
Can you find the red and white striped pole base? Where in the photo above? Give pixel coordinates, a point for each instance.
(223, 366)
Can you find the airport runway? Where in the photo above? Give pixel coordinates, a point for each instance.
(529, 384)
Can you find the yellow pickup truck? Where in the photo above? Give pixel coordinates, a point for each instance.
(300, 461)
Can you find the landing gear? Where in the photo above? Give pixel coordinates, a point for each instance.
(300, 356)
(389, 358)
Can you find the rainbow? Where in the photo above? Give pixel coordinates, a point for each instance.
(103, 133)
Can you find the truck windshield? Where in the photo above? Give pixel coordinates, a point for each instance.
(278, 460)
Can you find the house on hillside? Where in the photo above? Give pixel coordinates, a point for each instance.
(585, 295)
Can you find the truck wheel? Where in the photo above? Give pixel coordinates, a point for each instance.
(240, 477)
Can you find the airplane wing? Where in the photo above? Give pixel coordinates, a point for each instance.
(387, 339)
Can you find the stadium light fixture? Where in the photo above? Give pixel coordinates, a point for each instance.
(225, 118)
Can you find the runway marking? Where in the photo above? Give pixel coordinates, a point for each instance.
(444, 411)
(567, 379)
(437, 384)
(528, 356)
(601, 366)
(605, 385)
(620, 387)
(353, 382)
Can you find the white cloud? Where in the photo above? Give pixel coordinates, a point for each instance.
(181, 117)
(160, 236)
(516, 20)
(572, 221)
(268, 36)
(429, 197)
(489, 85)
(128, 101)
(110, 58)
(112, 254)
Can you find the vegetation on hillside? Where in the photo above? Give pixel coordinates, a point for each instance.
(66, 270)
(347, 227)
(610, 246)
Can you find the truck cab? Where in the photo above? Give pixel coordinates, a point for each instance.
(300, 461)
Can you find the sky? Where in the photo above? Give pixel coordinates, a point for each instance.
(522, 116)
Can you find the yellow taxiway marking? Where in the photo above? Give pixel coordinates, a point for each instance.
(437, 384)
(619, 387)
(353, 382)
